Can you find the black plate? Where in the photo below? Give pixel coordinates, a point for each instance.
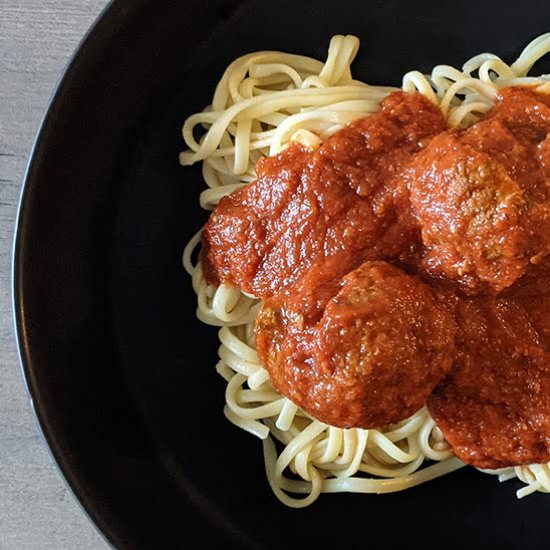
(120, 371)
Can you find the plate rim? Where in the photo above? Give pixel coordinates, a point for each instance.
(106, 17)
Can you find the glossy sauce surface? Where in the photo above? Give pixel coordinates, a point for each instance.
(401, 264)
(346, 199)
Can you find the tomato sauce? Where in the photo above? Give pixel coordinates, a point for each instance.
(401, 264)
(345, 199)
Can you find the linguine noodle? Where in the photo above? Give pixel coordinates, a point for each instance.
(264, 101)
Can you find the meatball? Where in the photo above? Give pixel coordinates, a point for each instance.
(494, 406)
(482, 198)
(364, 350)
(472, 214)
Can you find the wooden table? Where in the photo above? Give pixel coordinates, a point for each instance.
(37, 510)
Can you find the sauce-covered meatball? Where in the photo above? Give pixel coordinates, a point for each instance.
(482, 198)
(365, 350)
(494, 406)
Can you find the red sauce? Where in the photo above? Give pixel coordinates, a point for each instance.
(346, 199)
(401, 264)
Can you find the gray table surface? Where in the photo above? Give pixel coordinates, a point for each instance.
(37, 511)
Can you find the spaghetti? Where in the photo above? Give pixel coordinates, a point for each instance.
(264, 101)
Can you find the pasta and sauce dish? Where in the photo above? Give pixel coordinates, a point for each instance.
(377, 262)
